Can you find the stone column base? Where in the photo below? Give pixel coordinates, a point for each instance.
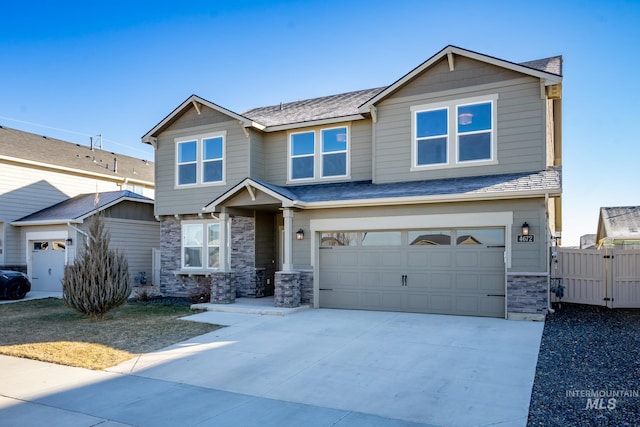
(223, 288)
(527, 296)
(287, 292)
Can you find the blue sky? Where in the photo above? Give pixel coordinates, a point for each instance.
(118, 68)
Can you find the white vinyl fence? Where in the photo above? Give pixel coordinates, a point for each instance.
(607, 277)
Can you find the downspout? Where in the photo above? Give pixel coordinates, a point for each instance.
(548, 251)
(76, 229)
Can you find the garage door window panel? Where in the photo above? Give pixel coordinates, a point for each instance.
(429, 238)
(338, 238)
(381, 238)
(491, 237)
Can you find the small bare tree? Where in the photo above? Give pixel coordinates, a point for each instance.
(98, 281)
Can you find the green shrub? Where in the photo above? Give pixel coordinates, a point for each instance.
(99, 280)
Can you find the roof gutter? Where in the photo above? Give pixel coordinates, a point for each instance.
(84, 233)
(43, 222)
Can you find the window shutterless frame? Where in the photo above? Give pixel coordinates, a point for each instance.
(320, 154)
(469, 132)
(200, 160)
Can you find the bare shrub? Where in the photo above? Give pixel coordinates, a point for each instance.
(99, 280)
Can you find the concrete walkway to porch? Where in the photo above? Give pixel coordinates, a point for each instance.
(263, 306)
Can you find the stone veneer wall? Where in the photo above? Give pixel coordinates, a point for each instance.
(306, 286)
(170, 249)
(527, 293)
(287, 293)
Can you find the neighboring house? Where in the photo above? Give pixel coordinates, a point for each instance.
(619, 227)
(37, 173)
(588, 241)
(344, 201)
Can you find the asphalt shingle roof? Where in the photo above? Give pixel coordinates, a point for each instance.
(42, 149)
(346, 104)
(79, 206)
(326, 107)
(547, 180)
(621, 222)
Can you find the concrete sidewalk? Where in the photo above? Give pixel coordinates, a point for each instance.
(42, 394)
(316, 367)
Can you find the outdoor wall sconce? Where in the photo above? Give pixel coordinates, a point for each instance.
(525, 229)
(69, 241)
(300, 234)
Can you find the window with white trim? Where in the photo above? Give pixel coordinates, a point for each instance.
(200, 159)
(200, 245)
(332, 146)
(454, 133)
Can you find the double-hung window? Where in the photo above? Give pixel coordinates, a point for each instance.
(200, 245)
(454, 133)
(200, 159)
(321, 154)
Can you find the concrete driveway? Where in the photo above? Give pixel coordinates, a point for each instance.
(432, 369)
(316, 367)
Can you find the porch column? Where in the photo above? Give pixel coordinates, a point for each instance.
(223, 284)
(287, 265)
(223, 263)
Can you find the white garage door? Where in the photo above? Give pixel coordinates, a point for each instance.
(47, 265)
(453, 271)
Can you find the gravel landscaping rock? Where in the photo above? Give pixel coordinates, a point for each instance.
(588, 371)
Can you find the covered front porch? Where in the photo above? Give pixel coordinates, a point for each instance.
(257, 235)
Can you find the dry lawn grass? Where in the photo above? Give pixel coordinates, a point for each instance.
(50, 331)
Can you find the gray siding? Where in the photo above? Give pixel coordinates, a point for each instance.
(131, 210)
(525, 257)
(257, 156)
(174, 200)
(135, 239)
(520, 121)
(360, 156)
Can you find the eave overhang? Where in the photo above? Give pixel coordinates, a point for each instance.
(196, 102)
(547, 79)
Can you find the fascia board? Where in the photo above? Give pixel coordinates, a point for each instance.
(212, 207)
(548, 78)
(148, 137)
(45, 222)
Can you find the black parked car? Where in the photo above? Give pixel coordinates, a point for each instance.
(13, 284)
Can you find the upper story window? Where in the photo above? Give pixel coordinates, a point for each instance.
(200, 159)
(454, 133)
(319, 154)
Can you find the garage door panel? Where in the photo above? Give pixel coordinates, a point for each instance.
(467, 304)
(418, 302)
(444, 279)
(371, 300)
(441, 259)
(393, 301)
(441, 303)
(440, 281)
(368, 259)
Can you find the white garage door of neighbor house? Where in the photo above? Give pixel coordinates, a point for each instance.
(47, 265)
(444, 271)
